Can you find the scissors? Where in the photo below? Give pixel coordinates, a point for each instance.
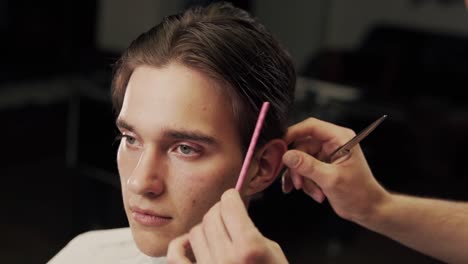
(346, 148)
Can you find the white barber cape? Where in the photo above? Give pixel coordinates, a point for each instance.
(114, 246)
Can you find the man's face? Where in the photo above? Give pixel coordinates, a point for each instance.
(180, 152)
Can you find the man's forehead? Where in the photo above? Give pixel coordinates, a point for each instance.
(180, 102)
(174, 87)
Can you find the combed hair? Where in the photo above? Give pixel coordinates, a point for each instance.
(229, 46)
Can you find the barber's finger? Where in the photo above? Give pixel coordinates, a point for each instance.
(177, 252)
(218, 239)
(296, 179)
(311, 188)
(308, 145)
(235, 216)
(199, 245)
(313, 127)
(309, 167)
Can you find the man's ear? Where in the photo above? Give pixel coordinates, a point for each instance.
(268, 161)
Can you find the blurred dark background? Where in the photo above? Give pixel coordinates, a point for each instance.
(356, 60)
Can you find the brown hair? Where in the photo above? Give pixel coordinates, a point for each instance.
(231, 47)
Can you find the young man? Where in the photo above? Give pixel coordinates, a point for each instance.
(187, 94)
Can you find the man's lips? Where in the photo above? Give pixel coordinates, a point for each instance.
(148, 217)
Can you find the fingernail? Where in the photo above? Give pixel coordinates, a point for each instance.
(291, 159)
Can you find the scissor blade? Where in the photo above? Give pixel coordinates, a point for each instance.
(364, 133)
(346, 148)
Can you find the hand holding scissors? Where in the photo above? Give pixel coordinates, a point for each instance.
(325, 163)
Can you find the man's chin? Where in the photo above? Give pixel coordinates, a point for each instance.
(150, 244)
(152, 252)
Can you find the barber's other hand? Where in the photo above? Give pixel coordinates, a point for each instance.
(348, 183)
(226, 235)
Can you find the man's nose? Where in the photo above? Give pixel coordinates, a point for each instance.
(147, 176)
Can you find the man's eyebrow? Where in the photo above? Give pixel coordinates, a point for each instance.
(189, 135)
(174, 134)
(120, 123)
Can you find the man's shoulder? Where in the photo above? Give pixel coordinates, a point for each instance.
(103, 237)
(101, 246)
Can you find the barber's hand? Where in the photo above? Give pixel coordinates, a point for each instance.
(347, 183)
(226, 235)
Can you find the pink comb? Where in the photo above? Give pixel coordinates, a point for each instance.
(253, 143)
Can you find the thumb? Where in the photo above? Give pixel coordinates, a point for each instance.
(179, 251)
(308, 166)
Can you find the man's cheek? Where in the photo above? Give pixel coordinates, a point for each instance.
(199, 190)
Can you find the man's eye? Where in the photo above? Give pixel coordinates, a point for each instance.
(130, 140)
(186, 150)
